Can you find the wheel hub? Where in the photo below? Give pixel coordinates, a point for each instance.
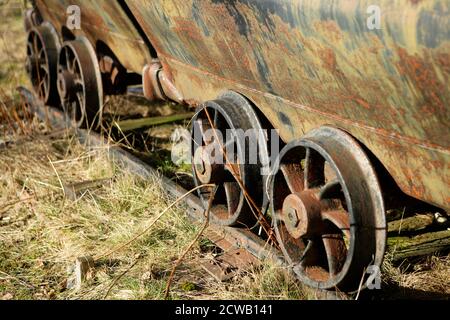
(206, 168)
(302, 214)
(66, 84)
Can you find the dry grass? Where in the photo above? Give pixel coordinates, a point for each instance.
(14, 118)
(427, 278)
(12, 46)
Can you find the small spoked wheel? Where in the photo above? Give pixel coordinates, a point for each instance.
(220, 157)
(328, 210)
(41, 62)
(79, 83)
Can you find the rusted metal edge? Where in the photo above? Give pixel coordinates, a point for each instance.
(240, 238)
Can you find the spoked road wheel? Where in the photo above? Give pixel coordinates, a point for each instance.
(220, 156)
(79, 83)
(328, 210)
(41, 63)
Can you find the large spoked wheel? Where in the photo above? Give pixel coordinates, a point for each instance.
(41, 63)
(220, 156)
(328, 210)
(79, 83)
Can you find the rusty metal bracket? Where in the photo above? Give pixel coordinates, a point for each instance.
(157, 85)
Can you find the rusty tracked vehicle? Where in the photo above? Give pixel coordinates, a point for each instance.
(362, 110)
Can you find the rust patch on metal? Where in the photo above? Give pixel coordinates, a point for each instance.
(424, 78)
(102, 21)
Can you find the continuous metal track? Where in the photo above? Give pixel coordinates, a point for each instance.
(235, 238)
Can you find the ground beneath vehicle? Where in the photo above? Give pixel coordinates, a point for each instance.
(348, 103)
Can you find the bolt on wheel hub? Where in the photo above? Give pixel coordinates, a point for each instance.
(301, 213)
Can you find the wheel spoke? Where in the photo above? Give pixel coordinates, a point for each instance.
(41, 82)
(336, 252)
(43, 66)
(216, 119)
(82, 105)
(30, 50)
(35, 44)
(41, 53)
(300, 263)
(293, 175)
(70, 67)
(233, 193)
(230, 155)
(67, 62)
(45, 83)
(40, 93)
(314, 169)
(77, 69)
(314, 261)
(42, 87)
(340, 219)
(74, 65)
(199, 132)
(331, 190)
(36, 53)
(78, 85)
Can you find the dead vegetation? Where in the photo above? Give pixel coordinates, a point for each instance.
(42, 232)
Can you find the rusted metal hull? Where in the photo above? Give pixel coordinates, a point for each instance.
(310, 63)
(101, 21)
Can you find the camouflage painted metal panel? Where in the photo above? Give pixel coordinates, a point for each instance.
(313, 62)
(104, 21)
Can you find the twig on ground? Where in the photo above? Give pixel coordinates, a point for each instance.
(11, 203)
(18, 280)
(120, 277)
(57, 175)
(169, 282)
